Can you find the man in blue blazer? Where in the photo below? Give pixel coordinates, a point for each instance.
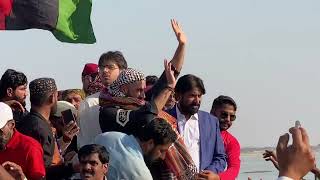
(199, 129)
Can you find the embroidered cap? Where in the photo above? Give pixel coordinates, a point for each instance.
(42, 86)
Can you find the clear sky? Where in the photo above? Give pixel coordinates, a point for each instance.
(264, 54)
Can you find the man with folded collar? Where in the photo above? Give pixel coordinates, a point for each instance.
(200, 129)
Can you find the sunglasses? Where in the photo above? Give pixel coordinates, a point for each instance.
(225, 115)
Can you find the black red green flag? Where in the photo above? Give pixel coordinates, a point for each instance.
(68, 20)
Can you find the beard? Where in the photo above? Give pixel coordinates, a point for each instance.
(190, 108)
(4, 141)
(53, 109)
(22, 101)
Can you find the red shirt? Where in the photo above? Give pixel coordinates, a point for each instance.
(27, 153)
(232, 148)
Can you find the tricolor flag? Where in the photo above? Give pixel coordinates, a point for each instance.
(68, 20)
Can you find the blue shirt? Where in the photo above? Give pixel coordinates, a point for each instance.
(126, 157)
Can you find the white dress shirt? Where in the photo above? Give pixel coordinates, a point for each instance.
(89, 120)
(189, 130)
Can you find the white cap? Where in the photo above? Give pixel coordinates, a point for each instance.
(64, 105)
(5, 114)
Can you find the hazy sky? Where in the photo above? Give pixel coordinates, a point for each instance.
(264, 54)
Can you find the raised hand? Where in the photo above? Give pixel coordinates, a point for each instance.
(181, 37)
(16, 105)
(295, 160)
(169, 74)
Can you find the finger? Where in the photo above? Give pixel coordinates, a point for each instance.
(305, 137)
(202, 175)
(296, 137)
(282, 143)
(75, 131)
(8, 163)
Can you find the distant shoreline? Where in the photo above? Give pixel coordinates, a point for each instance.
(250, 150)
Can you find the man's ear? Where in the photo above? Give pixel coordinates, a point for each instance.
(10, 92)
(11, 124)
(147, 146)
(105, 168)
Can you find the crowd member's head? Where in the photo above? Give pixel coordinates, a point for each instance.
(89, 74)
(56, 119)
(170, 102)
(189, 91)
(130, 83)
(7, 125)
(224, 108)
(13, 86)
(44, 94)
(73, 96)
(150, 81)
(94, 161)
(110, 66)
(155, 138)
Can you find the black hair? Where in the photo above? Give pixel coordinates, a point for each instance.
(115, 56)
(189, 82)
(222, 100)
(94, 148)
(11, 79)
(159, 130)
(151, 80)
(40, 99)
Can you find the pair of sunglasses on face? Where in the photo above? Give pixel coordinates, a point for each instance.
(224, 115)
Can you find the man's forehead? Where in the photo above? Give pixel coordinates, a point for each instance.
(91, 157)
(227, 107)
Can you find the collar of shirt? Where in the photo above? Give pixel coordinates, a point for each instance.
(181, 117)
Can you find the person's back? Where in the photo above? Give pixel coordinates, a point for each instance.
(89, 119)
(126, 154)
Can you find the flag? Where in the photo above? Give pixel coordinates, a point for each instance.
(68, 20)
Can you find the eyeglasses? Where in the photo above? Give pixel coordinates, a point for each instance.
(224, 115)
(108, 66)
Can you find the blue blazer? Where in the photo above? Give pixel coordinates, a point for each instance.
(212, 153)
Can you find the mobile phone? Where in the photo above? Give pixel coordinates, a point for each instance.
(67, 116)
(297, 124)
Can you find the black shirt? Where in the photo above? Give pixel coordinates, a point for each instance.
(37, 127)
(126, 121)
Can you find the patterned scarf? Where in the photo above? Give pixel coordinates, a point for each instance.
(178, 164)
(95, 86)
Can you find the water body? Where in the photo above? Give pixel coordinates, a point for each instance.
(254, 166)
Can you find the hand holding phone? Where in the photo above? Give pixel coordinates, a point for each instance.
(67, 116)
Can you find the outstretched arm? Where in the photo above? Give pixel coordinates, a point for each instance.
(178, 58)
(176, 62)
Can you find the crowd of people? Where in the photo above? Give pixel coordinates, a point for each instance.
(124, 125)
